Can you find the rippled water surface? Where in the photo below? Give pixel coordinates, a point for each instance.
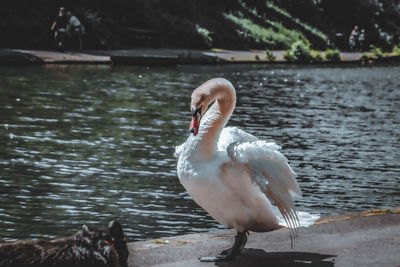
(88, 144)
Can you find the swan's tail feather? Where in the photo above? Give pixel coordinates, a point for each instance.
(285, 205)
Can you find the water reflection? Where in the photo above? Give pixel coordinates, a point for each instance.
(87, 144)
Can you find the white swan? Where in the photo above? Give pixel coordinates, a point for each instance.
(231, 174)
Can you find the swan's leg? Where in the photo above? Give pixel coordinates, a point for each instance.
(228, 254)
(242, 242)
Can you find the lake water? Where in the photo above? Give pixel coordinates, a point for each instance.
(88, 144)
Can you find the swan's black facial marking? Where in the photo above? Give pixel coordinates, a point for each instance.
(197, 111)
(195, 124)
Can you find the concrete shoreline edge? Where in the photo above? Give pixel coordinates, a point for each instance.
(366, 238)
(166, 57)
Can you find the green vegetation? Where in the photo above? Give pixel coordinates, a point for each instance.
(376, 51)
(365, 58)
(282, 33)
(316, 55)
(269, 55)
(332, 55)
(206, 34)
(256, 57)
(290, 35)
(396, 50)
(299, 52)
(288, 56)
(273, 37)
(278, 9)
(297, 21)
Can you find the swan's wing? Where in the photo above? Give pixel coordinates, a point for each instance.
(270, 170)
(231, 135)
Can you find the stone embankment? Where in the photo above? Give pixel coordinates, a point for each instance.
(370, 238)
(150, 57)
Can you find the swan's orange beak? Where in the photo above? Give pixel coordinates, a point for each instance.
(194, 126)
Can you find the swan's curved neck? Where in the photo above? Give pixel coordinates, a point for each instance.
(223, 92)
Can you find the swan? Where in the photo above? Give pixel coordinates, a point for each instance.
(236, 177)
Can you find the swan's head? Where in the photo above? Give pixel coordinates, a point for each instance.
(201, 98)
(205, 94)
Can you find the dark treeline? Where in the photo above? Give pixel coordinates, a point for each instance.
(201, 24)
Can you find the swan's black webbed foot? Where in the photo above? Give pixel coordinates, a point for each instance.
(229, 254)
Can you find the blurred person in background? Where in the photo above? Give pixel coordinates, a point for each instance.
(76, 30)
(59, 27)
(353, 39)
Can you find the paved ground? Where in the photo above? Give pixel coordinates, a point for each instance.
(364, 239)
(20, 56)
(146, 56)
(58, 57)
